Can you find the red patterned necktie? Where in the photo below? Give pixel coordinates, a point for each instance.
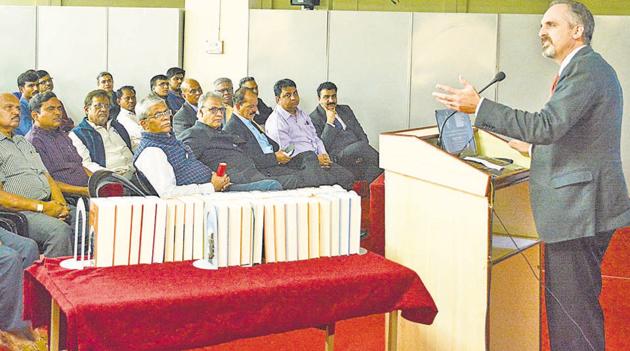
(555, 84)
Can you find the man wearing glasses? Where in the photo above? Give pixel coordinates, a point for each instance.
(170, 165)
(44, 84)
(103, 143)
(224, 87)
(187, 114)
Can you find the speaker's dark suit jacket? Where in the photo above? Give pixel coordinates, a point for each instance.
(577, 184)
(184, 119)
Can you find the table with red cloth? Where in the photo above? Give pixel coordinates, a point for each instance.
(176, 306)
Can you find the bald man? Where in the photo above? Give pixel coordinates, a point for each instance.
(187, 115)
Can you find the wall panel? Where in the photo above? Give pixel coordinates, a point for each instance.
(72, 47)
(369, 61)
(288, 44)
(142, 42)
(17, 25)
(444, 46)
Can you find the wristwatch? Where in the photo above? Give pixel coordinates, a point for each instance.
(40, 208)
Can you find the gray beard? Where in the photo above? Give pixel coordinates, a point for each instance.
(549, 51)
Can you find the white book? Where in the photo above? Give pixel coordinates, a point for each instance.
(258, 211)
(160, 231)
(344, 224)
(189, 226)
(223, 219)
(280, 233)
(148, 230)
(169, 236)
(291, 229)
(334, 225)
(269, 234)
(234, 233)
(313, 228)
(324, 226)
(198, 227)
(355, 223)
(246, 234)
(302, 228)
(137, 208)
(122, 238)
(102, 219)
(180, 219)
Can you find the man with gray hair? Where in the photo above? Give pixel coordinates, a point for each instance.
(224, 87)
(170, 166)
(578, 191)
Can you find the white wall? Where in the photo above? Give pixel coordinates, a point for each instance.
(74, 44)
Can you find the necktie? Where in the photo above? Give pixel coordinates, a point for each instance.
(554, 84)
(338, 124)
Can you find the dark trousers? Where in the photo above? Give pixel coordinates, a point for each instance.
(361, 159)
(573, 278)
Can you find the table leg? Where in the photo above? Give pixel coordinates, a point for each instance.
(392, 331)
(330, 337)
(53, 340)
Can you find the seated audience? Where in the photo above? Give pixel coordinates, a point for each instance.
(343, 135)
(264, 152)
(103, 143)
(54, 145)
(159, 87)
(174, 98)
(105, 81)
(27, 84)
(170, 166)
(224, 87)
(263, 111)
(26, 186)
(187, 114)
(289, 126)
(16, 254)
(44, 84)
(211, 145)
(126, 98)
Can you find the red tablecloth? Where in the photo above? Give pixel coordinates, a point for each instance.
(176, 306)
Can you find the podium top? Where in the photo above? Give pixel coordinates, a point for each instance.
(399, 150)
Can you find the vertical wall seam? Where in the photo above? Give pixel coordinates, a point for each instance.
(410, 71)
(249, 28)
(37, 37)
(497, 55)
(327, 45)
(107, 39)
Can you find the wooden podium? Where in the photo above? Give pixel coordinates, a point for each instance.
(443, 219)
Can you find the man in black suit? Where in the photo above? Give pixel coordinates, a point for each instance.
(265, 152)
(263, 110)
(343, 136)
(187, 114)
(211, 145)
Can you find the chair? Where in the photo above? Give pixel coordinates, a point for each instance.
(104, 183)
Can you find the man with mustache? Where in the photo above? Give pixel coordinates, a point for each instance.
(577, 187)
(343, 135)
(103, 143)
(126, 98)
(105, 81)
(263, 111)
(44, 84)
(170, 166)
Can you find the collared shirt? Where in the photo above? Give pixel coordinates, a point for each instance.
(26, 121)
(265, 145)
(568, 59)
(118, 157)
(129, 120)
(298, 130)
(22, 171)
(337, 118)
(174, 100)
(153, 163)
(58, 155)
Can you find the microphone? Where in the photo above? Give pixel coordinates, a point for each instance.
(497, 78)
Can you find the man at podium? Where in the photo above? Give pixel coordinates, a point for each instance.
(577, 187)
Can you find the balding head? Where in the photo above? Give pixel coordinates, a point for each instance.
(191, 90)
(9, 113)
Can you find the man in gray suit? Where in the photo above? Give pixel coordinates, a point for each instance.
(343, 135)
(578, 191)
(187, 114)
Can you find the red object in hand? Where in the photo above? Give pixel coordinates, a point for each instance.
(221, 169)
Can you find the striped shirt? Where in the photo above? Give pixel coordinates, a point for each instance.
(22, 171)
(61, 159)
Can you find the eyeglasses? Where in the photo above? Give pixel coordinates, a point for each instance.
(100, 106)
(214, 110)
(161, 115)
